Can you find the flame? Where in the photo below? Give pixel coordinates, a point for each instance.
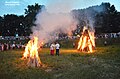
(31, 52)
(86, 41)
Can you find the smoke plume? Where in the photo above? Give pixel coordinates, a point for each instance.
(56, 19)
(87, 16)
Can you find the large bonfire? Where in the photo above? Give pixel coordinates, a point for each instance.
(86, 41)
(31, 52)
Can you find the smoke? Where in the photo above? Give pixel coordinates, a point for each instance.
(58, 6)
(87, 16)
(90, 18)
(91, 14)
(56, 19)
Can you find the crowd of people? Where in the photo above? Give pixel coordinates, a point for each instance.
(7, 46)
(108, 35)
(54, 47)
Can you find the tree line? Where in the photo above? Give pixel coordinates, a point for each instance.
(12, 24)
(104, 18)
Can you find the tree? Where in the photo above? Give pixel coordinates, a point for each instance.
(10, 25)
(1, 25)
(21, 27)
(30, 14)
(107, 20)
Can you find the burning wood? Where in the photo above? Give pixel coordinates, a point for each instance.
(86, 41)
(31, 52)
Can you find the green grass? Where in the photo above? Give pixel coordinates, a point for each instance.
(104, 63)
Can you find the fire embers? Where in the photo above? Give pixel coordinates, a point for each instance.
(86, 41)
(31, 52)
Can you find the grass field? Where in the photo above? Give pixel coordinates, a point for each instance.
(104, 63)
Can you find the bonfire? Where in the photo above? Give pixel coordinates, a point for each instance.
(86, 41)
(31, 52)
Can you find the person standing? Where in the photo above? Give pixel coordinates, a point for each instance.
(57, 48)
(52, 46)
(105, 43)
(0, 47)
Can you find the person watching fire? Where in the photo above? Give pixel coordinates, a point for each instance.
(52, 46)
(57, 48)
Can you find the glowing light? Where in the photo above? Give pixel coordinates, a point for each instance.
(86, 41)
(31, 52)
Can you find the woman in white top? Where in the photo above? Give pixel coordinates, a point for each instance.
(57, 48)
(52, 46)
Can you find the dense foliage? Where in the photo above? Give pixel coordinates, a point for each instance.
(104, 18)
